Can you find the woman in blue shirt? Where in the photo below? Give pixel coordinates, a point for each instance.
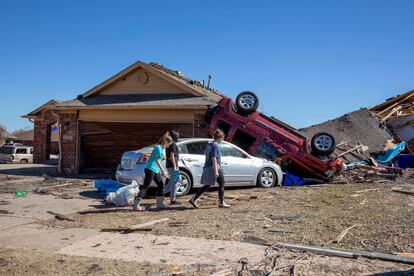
(212, 171)
(153, 171)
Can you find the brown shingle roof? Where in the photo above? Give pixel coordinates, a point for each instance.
(27, 135)
(139, 100)
(209, 92)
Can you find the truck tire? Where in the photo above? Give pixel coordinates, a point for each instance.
(247, 102)
(323, 143)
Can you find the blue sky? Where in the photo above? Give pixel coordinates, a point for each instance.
(308, 61)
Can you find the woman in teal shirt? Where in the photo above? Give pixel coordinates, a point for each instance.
(153, 171)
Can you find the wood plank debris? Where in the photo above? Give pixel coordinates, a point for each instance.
(366, 190)
(138, 227)
(146, 224)
(346, 253)
(407, 192)
(343, 234)
(60, 216)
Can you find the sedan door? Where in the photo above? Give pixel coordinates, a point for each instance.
(192, 156)
(238, 167)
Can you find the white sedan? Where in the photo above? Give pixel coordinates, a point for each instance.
(239, 167)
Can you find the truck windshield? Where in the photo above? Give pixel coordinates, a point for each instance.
(267, 152)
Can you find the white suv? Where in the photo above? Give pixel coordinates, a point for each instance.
(16, 153)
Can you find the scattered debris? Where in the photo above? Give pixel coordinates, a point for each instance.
(4, 202)
(48, 178)
(255, 240)
(60, 216)
(20, 193)
(285, 217)
(178, 223)
(224, 272)
(3, 262)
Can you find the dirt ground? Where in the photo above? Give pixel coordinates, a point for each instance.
(314, 215)
(30, 262)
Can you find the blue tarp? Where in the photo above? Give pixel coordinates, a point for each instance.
(292, 180)
(386, 157)
(391, 153)
(107, 186)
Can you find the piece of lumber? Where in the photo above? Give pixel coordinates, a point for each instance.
(295, 270)
(56, 186)
(346, 253)
(60, 216)
(224, 272)
(125, 230)
(364, 148)
(366, 190)
(402, 191)
(343, 234)
(383, 119)
(146, 224)
(394, 105)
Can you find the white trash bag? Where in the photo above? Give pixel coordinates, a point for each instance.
(123, 196)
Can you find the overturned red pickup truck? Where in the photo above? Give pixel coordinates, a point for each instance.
(273, 139)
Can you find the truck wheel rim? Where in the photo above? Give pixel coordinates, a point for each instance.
(267, 178)
(182, 185)
(247, 101)
(323, 142)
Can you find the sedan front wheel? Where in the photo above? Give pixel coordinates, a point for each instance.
(266, 178)
(184, 184)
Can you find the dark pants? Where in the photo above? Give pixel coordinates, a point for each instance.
(149, 177)
(205, 188)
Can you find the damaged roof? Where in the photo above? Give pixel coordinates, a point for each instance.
(357, 126)
(179, 101)
(197, 94)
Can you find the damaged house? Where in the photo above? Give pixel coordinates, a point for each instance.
(128, 111)
(398, 115)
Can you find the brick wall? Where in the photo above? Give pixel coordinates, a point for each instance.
(68, 123)
(41, 147)
(41, 143)
(200, 127)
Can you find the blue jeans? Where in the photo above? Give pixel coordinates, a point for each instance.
(171, 187)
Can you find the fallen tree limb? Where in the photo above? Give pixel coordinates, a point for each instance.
(346, 253)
